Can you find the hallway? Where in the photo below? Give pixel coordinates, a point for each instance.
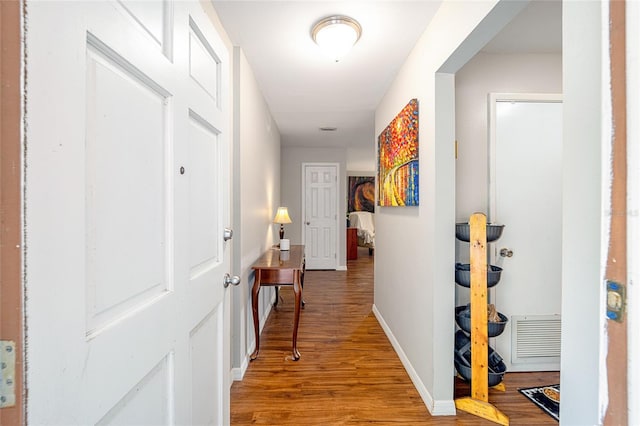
(348, 372)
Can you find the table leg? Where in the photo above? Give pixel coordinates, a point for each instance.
(254, 305)
(302, 281)
(297, 290)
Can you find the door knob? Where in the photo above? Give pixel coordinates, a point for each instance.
(308, 223)
(230, 280)
(505, 252)
(228, 234)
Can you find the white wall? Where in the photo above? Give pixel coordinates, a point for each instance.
(291, 178)
(257, 196)
(585, 138)
(362, 159)
(414, 291)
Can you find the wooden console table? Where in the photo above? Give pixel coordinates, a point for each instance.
(276, 268)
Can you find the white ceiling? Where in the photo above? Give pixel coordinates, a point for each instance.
(305, 90)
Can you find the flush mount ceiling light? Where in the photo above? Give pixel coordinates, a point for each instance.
(336, 35)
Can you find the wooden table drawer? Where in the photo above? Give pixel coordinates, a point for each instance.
(276, 276)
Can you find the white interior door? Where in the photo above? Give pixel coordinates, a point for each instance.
(320, 188)
(126, 199)
(526, 197)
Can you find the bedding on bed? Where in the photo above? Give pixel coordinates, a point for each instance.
(366, 229)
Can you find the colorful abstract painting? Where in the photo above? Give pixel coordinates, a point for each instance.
(362, 194)
(398, 159)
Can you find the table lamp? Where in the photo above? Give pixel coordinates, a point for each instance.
(282, 217)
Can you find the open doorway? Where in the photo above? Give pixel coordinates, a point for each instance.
(360, 213)
(520, 59)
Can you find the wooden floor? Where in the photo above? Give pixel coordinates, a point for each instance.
(349, 372)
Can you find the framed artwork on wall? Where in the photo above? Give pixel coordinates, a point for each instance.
(398, 159)
(362, 194)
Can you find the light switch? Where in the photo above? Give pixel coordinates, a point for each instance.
(616, 301)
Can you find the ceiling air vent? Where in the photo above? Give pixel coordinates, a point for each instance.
(328, 129)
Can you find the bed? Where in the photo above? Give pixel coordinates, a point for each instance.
(364, 222)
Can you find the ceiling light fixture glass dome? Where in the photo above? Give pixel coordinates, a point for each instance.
(336, 35)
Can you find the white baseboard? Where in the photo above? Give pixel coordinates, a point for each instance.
(443, 408)
(237, 373)
(265, 315)
(435, 407)
(341, 268)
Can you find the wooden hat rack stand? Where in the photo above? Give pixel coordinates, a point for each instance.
(478, 403)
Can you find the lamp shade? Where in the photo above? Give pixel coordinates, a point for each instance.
(336, 35)
(282, 216)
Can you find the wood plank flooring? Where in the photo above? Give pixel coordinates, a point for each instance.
(349, 372)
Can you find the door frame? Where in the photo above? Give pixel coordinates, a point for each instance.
(303, 203)
(11, 166)
(633, 231)
(493, 256)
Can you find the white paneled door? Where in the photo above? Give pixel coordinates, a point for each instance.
(126, 190)
(526, 196)
(321, 216)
